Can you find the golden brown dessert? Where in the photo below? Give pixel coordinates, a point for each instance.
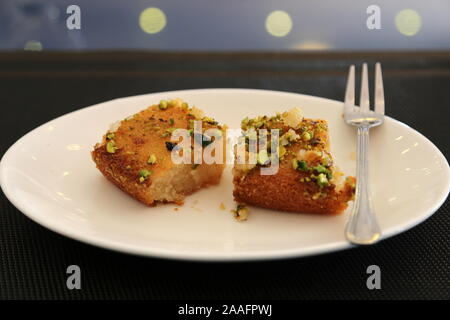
(307, 180)
(135, 154)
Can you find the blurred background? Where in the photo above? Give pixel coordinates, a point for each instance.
(233, 25)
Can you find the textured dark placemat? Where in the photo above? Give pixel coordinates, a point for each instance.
(36, 88)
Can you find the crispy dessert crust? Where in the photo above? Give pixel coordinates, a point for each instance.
(283, 191)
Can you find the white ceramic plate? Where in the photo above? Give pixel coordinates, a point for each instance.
(49, 176)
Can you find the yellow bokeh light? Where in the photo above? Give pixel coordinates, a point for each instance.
(33, 45)
(312, 45)
(279, 23)
(152, 20)
(408, 22)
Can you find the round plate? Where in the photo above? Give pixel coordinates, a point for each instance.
(49, 175)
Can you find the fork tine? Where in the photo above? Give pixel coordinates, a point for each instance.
(350, 90)
(364, 98)
(379, 91)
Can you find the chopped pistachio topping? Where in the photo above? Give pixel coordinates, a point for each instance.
(307, 136)
(111, 146)
(184, 106)
(322, 180)
(295, 164)
(163, 105)
(151, 159)
(209, 120)
(143, 174)
(284, 141)
(241, 212)
(321, 169)
(263, 157)
(281, 152)
(326, 161)
(244, 122)
(323, 177)
(171, 121)
(288, 137)
(259, 124)
(302, 165)
(110, 136)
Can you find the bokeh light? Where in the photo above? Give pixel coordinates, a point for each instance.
(408, 22)
(278, 23)
(152, 20)
(33, 45)
(312, 45)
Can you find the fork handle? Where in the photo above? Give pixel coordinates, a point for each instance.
(362, 226)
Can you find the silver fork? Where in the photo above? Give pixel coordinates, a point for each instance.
(362, 226)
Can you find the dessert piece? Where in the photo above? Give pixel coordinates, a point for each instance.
(306, 181)
(136, 153)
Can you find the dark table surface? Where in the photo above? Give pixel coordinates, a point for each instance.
(37, 87)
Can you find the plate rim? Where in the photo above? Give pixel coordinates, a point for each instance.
(206, 256)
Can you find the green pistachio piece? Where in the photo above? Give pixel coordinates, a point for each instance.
(244, 123)
(281, 151)
(143, 174)
(307, 136)
(111, 146)
(263, 157)
(240, 213)
(302, 165)
(151, 159)
(163, 105)
(110, 136)
(209, 120)
(321, 169)
(322, 180)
